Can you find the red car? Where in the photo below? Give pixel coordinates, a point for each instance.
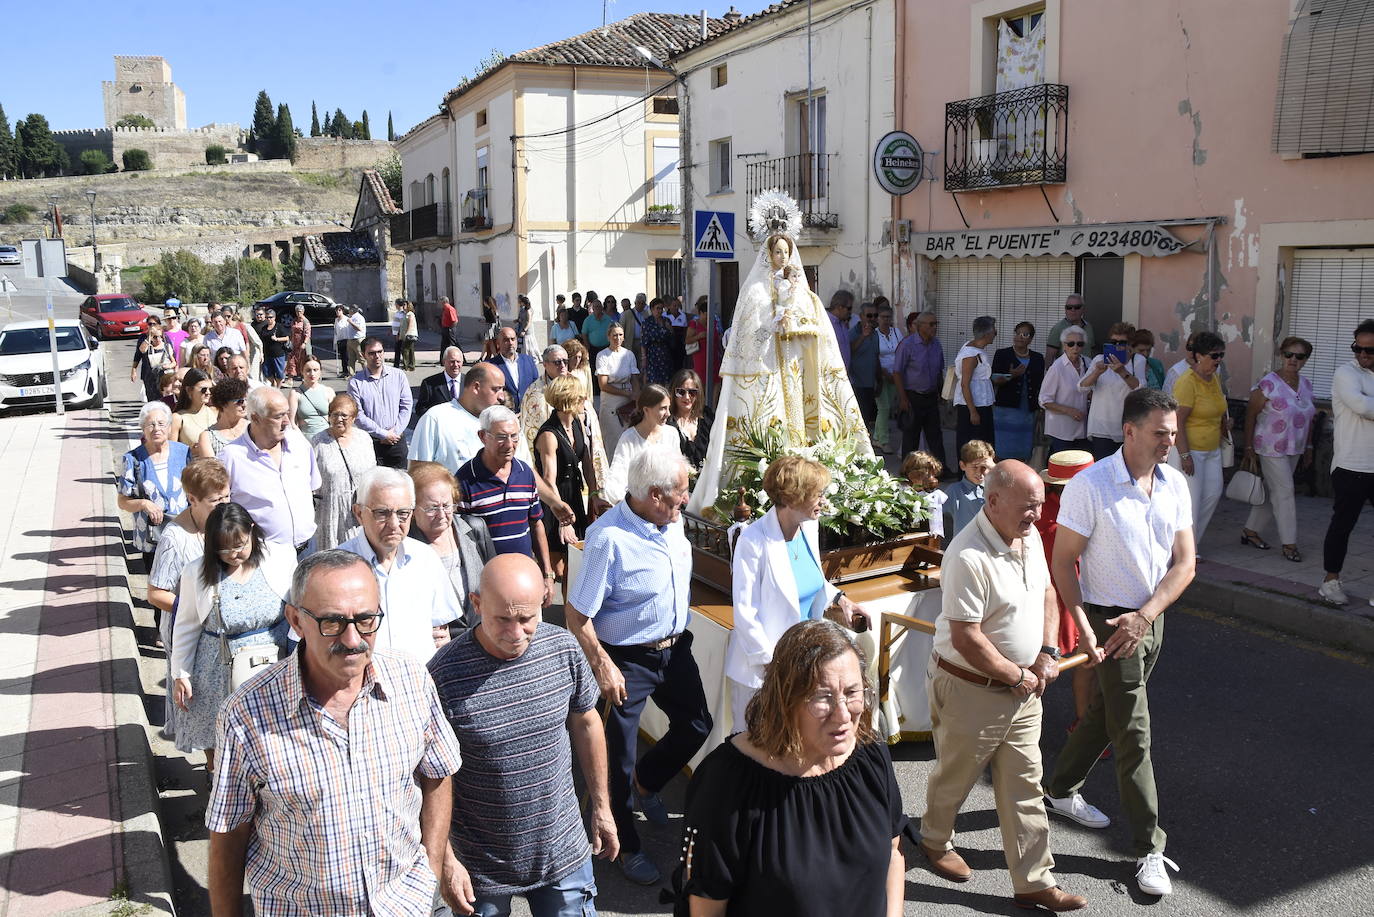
(113, 315)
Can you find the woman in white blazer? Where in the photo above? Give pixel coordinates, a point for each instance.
(777, 568)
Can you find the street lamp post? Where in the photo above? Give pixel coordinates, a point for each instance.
(95, 252)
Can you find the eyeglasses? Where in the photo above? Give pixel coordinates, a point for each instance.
(1366, 351)
(341, 415)
(1076, 308)
(1072, 343)
(1289, 355)
(438, 509)
(333, 625)
(1217, 357)
(503, 437)
(203, 389)
(234, 549)
(687, 392)
(1120, 341)
(382, 515)
(1025, 334)
(556, 362)
(373, 353)
(821, 706)
(242, 402)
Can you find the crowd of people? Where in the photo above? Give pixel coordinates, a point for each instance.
(352, 612)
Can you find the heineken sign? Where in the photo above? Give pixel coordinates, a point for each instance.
(897, 163)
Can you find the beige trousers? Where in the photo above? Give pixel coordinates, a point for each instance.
(974, 728)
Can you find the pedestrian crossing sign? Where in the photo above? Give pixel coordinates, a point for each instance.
(714, 234)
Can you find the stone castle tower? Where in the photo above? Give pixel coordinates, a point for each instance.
(143, 86)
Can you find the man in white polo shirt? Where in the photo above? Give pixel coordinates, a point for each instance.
(994, 657)
(1128, 521)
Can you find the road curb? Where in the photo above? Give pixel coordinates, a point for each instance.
(147, 869)
(1283, 612)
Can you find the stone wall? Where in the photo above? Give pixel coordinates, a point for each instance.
(317, 154)
(168, 149)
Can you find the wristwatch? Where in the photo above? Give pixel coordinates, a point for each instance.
(1051, 651)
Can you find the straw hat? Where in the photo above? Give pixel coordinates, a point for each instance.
(1064, 465)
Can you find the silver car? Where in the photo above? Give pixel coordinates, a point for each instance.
(10, 255)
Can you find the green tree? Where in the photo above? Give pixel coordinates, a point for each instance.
(39, 155)
(390, 128)
(357, 132)
(135, 121)
(136, 160)
(95, 162)
(8, 165)
(216, 155)
(264, 127)
(314, 120)
(366, 133)
(342, 126)
(389, 171)
(245, 280)
(180, 272)
(284, 139)
(292, 271)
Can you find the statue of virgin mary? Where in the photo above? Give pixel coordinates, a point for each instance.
(782, 365)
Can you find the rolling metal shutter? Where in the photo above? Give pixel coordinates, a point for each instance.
(1331, 292)
(1325, 99)
(1009, 289)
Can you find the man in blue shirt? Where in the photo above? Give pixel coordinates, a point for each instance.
(841, 308)
(628, 609)
(384, 402)
(918, 368)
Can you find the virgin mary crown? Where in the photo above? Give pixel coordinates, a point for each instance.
(774, 212)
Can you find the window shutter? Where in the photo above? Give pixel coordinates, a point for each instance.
(1331, 292)
(1325, 101)
(1011, 290)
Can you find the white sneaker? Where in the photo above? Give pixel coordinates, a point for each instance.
(1076, 808)
(1331, 593)
(1151, 875)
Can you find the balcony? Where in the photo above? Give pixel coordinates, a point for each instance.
(1008, 139)
(476, 211)
(666, 208)
(804, 176)
(423, 224)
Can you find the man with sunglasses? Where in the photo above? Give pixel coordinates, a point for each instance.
(337, 757)
(417, 613)
(1352, 461)
(1075, 313)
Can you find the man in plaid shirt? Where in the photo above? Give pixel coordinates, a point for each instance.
(331, 792)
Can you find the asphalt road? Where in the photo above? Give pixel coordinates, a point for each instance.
(1262, 749)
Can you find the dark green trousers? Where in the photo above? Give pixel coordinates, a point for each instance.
(1119, 714)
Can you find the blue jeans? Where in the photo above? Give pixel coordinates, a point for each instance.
(572, 896)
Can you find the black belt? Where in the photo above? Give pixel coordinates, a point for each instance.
(653, 646)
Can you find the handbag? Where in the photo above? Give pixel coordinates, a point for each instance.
(1247, 486)
(692, 348)
(248, 661)
(947, 390)
(1228, 453)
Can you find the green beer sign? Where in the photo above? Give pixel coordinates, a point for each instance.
(897, 163)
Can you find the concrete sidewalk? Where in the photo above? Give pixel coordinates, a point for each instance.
(79, 831)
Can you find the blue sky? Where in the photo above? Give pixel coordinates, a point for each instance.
(340, 53)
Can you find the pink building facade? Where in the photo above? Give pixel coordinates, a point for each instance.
(1127, 151)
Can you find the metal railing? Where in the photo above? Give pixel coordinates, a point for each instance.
(476, 212)
(804, 176)
(666, 206)
(428, 222)
(1008, 139)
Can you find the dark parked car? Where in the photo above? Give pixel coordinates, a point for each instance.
(318, 307)
(113, 315)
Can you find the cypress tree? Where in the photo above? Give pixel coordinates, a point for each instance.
(390, 128)
(285, 136)
(314, 120)
(342, 126)
(264, 127)
(367, 127)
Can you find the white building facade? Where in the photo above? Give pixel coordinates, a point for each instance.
(757, 119)
(554, 172)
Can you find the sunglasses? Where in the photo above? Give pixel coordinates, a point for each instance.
(1217, 357)
(1366, 351)
(1073, 344)
(1289, 355)
(687, 392)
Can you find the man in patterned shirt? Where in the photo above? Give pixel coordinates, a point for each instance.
(516, 691)
(331, 793)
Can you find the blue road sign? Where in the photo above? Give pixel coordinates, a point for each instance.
(714, 234)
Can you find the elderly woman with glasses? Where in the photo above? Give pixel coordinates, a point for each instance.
(230, 599)
(1065, 404)
(1017, 374)
(150, 481)
(342, 453)
(194, 412)
(800, 814)
(691, 416)
(1112, 375)
(1202, 424)
(462, 542)
(1278, 436)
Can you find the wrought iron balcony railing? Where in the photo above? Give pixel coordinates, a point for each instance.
(1008, 139)
(420, 224)
(806, 177)
(476, 212)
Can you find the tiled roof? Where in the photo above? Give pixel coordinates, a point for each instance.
(384, 201)
(613, 45)
(733, 20)
(349, 249)
(422, 125)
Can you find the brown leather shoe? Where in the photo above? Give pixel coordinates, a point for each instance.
(947, 864)
(1051, 899)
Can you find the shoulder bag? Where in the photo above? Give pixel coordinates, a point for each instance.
(1247, 486)
(248, 661)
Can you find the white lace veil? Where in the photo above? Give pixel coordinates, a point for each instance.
(757, 318)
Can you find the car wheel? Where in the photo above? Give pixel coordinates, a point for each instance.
(99, 400)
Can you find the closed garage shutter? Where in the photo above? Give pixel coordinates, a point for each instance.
(1331, 292)
(1011, 290)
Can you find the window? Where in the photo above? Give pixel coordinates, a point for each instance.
(808, 138)
(417, 195)
(485, 280)
(1328, 296)
(1324, 105)
(667, 186)
(1013, 42)
(429, 189)
(1009, 289)
(720, 165)
(719, 76)
(482, 118)
(665, 105)
(668, 277)
(482, 168)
